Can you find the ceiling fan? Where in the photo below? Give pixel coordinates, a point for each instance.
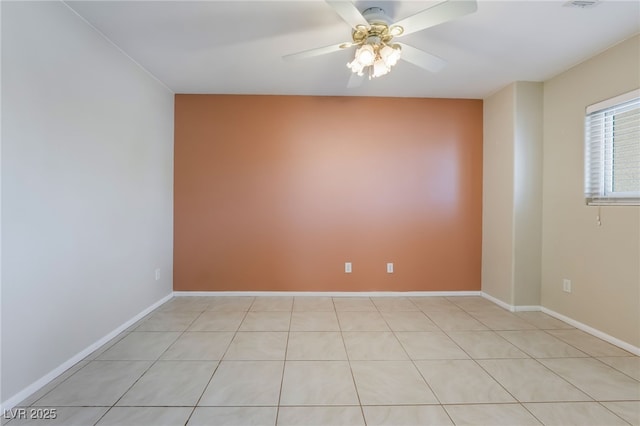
(374, 33)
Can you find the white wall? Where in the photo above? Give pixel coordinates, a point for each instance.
(512, 194)
(527, 193)
(87, 184)
(603, 262)
(497, 194)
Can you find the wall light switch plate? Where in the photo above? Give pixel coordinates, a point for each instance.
(347, 267)
(389, 268)
(157, 274)
(566, 285)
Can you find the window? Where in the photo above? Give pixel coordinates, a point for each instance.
(612, 151)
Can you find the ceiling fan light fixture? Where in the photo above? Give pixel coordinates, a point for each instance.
(366, 55)
(356, 67)
(396, 30)
(375, 58)
(390, 54)
(380, 68)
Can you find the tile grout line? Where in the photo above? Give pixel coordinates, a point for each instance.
(522, 403)
(601, 403)
(537, 360)
(413, 361)
(615, 368)
(152, 364)
(481, 367)
(284, 362)
(445, 332)
(147, 369)
(344, 345)
(86, 361)
(219, 361)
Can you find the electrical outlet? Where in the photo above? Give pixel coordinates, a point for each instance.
(157, 274)
(389, 268)
(566, 285)
(347, 267)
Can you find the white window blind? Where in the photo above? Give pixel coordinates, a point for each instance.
(612, 151)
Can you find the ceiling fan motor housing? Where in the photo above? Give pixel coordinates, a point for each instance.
(376, 15)
(378, 29)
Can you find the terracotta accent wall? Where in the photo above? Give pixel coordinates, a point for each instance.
(276, 193)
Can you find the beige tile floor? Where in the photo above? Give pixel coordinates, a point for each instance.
(346, 361)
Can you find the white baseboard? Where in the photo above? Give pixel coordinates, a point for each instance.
(511, 308)
(527, 308)
(41, 382)
(594, 332)
(577, 324)
(498, 302)
(330, 293)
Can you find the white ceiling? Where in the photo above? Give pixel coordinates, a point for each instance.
(236, 47)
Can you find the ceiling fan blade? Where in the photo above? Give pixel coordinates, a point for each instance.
(355, 80)
(349, 13)
(421, 58)
(316, 52)
(438, 14)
